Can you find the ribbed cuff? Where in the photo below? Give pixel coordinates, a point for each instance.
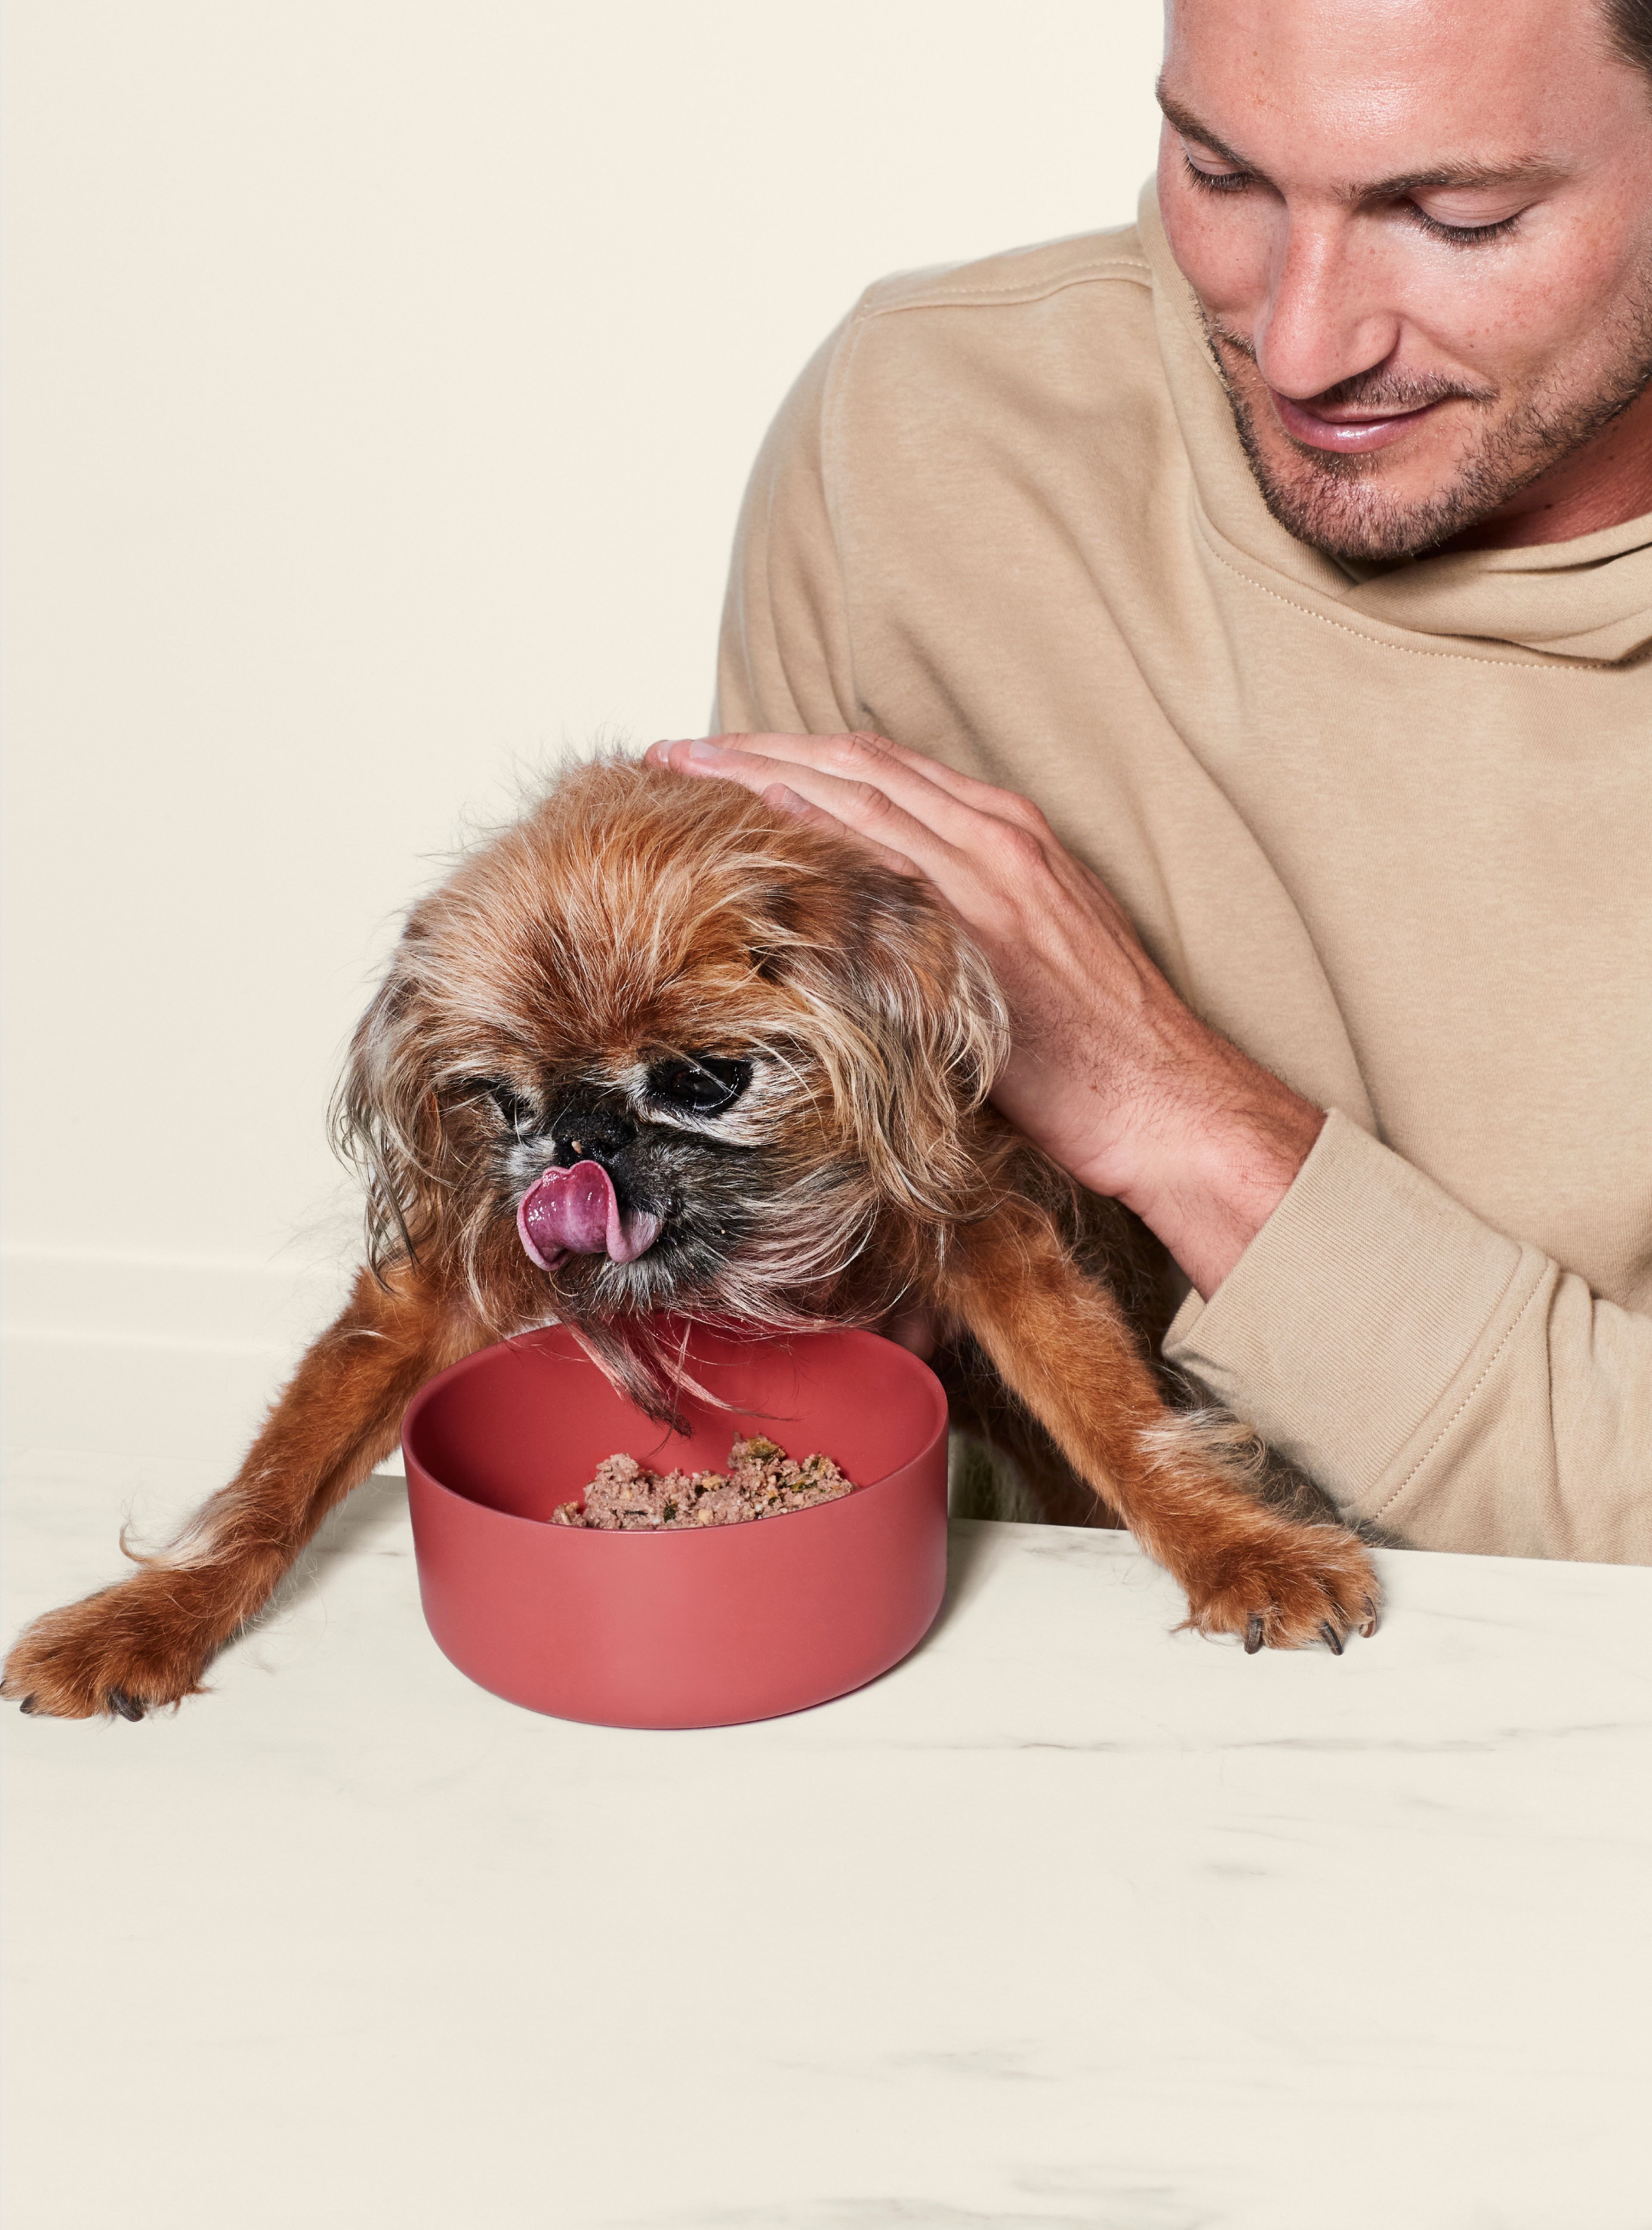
(1345, 1321)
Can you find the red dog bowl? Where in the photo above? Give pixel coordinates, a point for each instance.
(697, 1628)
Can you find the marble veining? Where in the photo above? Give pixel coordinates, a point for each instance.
(1071, 1920)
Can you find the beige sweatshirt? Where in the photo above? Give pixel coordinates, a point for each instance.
(1391, 834)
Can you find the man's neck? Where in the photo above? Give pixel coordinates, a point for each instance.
(1604, 484)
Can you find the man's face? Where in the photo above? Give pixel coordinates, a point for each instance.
(1420, 235)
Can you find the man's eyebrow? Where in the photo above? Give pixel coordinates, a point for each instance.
(1445, 177)
(1183, 120)
(1461, 177)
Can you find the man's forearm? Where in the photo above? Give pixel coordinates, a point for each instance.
(1207, 1181)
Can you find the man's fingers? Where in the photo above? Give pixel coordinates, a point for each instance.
(863, 810)
(981, 796)
(786, 800)
(906, 775)
(992, 866)
(984, 865)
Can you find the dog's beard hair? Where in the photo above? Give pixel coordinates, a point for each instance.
(792, 1272)
(797, 1266)
(803, 1240)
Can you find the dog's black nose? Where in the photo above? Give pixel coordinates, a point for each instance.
(590, 1134)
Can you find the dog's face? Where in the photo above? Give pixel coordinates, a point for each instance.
(657, 1047)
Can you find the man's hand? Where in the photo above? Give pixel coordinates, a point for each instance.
(1110, 1072)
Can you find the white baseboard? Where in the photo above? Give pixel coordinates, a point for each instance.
(151, 1356)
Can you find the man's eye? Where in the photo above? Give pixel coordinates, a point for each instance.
(1224, 181)
(1463, 234)
(703, 1084)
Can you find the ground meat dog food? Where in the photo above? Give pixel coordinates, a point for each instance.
(761, 1481)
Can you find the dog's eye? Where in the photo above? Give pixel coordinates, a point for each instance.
(519, 1114)
(701, 1085)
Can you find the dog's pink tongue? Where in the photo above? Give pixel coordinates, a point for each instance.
(566, 1212)
(575, 1212)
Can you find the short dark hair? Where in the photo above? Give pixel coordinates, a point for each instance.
(1629, 22)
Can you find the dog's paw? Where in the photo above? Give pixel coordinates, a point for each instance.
(1287, 1587)
(116, 1653)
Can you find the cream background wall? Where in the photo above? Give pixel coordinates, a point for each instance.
(380, 384)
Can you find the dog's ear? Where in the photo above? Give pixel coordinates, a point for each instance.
(907, 1021)
(386, 1119)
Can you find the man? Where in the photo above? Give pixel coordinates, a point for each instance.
(1291, 549)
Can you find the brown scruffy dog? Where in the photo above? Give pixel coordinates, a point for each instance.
(659, 1049)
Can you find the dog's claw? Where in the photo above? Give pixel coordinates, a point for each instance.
(1368, 1624)
(123, 1704)
(1332, 1639)
(27, 1707)
(1253, 1635)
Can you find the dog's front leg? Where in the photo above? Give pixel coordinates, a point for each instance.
(1181, 1484)
(147, 1640)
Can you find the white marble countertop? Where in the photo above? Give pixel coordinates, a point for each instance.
(1068, 1920)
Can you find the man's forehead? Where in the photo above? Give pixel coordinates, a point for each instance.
(1366, 96)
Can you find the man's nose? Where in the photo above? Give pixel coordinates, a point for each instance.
(1325, 318)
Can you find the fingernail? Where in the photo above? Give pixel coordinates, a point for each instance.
(785, 800)
(704, 749)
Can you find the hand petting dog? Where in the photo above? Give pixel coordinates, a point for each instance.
(1110, 1072)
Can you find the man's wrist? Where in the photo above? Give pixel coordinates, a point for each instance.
(1206, 1183)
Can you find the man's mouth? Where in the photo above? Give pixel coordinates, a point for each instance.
(577, 1212)
(1344, 430)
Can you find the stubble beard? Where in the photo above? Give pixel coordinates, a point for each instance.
(1338, 504)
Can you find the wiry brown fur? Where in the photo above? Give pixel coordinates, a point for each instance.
(633, 918)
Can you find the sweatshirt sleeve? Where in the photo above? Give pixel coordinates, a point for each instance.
(1431, 1374)
(784, 663)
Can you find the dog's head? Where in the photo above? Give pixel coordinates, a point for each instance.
(657, 1047)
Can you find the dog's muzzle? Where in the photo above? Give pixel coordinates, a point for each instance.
(577, 1212)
